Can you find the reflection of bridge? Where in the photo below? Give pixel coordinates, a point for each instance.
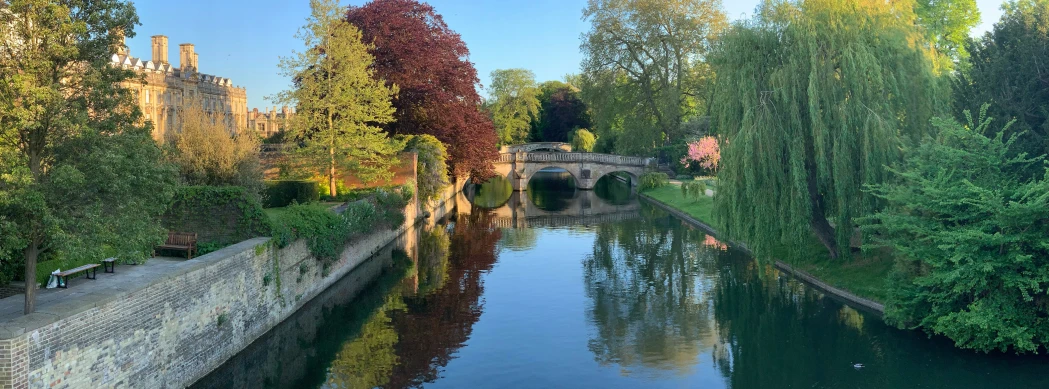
(519, 162)
(584, 208)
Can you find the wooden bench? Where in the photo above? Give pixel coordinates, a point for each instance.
(110, 265)
(63, 277)
(180, 241)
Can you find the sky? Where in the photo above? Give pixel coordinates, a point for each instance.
(244, 40)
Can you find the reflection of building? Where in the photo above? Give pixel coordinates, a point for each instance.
(164, 88)
(268, 123)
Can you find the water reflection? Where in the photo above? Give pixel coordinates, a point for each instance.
(598, 294)
(552, 190)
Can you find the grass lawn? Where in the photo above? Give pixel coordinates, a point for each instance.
(863, 275)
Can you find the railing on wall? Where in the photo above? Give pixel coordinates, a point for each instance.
(607, 159)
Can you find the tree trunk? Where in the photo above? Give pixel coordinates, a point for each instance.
(31, 254)
(332, 190)
(826, 235)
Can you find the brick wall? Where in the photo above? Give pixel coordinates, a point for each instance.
(175, 330)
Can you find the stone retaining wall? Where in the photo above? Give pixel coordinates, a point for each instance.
(171, 331)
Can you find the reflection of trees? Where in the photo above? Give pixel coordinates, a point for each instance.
(434, 245)
(647, 279)
(437, 324)
(613, 191)
(368, 360)
(519, 239)
(551, 190)
(493, 193)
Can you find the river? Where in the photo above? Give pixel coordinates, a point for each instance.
(558, 288)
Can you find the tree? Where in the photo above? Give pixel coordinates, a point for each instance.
(80, 176)
(432, 170)
(1007, 71)
(583, 140)
(644, 65)
(947, 24)
(972, 240)
(415, 50)
(562, 110)
(705, 152)
(339, 100)
(514, 104)
(813, 100)
(208, 152)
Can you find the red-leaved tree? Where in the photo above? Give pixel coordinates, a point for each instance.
(429, 62)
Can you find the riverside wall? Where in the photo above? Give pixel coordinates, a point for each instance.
(173, 329)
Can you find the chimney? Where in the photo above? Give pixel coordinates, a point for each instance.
(160, 49)
(186, 58)
(196, 63)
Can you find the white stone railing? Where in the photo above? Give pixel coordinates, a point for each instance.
(607, 159)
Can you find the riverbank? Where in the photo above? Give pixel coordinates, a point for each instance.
(860, 282)
(168, 323)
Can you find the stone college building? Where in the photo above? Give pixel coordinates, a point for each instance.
(164, 88)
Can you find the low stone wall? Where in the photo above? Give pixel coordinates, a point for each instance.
(173, 330)
(845, 297)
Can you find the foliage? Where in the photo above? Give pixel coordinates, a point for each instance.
(814, 100)
(432, 171)
(514, 104)
(694, 190)
(409, 39)
(207, 151)
(652, 180)
(327, 232)
(339, 101)
(947, 24)
(972, 237)
(583, 140)
(644, 68)
(222, 215)
(78, 175)
(283, 193)
(562, 110)
(1007, 71)
(704, 152)
(684, 177)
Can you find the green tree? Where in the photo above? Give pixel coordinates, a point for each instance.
(947, 24)
(1008, 72)
(514, 104)
(561, 111)
(432, 175)
(644, 67)
(972, 238)
(583, 140)
(813, 100)
(79, 176)
(208, 152)
(338, 101)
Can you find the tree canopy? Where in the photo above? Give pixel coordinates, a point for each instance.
(208, 152)
(562, 110)
(339, 101)
(813, 100)
(415, 50)
(971, 235)
(514, 104)
(1008, 72)
(80, 174)
(947, 24)
(644, 67)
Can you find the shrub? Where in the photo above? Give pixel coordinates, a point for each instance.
(325, 231)
(972, 238)
(432, 175)
(684, 177)
(653, 180)
(583, 140)
(209, 152)
(694, 190)
(221, 215)
(283, 193)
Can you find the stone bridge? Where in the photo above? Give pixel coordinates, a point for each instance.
(520, 162)
(584, 208)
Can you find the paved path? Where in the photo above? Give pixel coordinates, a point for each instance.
(84, 294)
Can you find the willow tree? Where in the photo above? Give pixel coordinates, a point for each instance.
(338, 101)
(813, 100)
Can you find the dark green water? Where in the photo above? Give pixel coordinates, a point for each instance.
(630, 297)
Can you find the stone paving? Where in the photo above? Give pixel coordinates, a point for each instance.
(85, 293)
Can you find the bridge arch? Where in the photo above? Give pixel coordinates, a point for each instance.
(586, 168)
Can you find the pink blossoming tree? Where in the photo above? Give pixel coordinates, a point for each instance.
(705, 152)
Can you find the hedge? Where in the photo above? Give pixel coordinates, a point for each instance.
(219, 215)
(283, 193)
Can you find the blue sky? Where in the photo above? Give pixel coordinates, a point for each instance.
(243, 40)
